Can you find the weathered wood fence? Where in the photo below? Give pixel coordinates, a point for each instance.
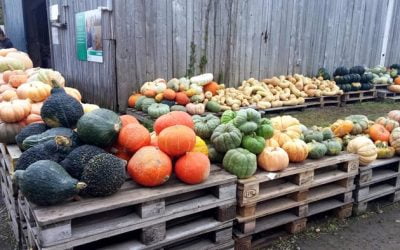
(234, 39)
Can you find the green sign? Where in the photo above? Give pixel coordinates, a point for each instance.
(81, 47)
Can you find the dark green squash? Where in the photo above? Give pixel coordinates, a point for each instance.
(333, 147)
(226, 137)
(31, 129)
(355, 78)
(327, 133)
(316, 150)
(247, 120)
(265, 130)
(339, 80)
(323, 72)
(205, 125)
(138, 103)
(347, 79)
(255, 144)
(213, 106)
(147, 103)
(99, 127)
(240, 162)
(47, 183)
(357, 70)
(313, 135)
(346, 87)
(340, 71)
(48, 135)
(168, 102)
(366, 78)
(366, 86)
(213, 154)
(395, 66)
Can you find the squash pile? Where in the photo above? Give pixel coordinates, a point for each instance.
(353, 79)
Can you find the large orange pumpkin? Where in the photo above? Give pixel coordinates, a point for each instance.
(132, 100)
(15, 110)
(176, 140)
(36, 91)
(192, 168)
(150, 167)
(173, 118)
(169, 94)
(133, 137)
(128, 119)
(378, 132)
(273, 159)
(181, 98)
(212, 87)
(296, 149)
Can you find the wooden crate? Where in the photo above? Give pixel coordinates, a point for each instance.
(381, 86)
(146, 211)
(378, 179)
(358, 96)
(385, 94)
(270, 200)
(10, 153)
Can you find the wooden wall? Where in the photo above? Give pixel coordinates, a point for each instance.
(14, 23)
(393, 49)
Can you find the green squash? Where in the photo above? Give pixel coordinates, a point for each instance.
(99, 127)
(178, 108)
(313, 135)
(339, 80)
(266, 131)
(255, 144)
(366, 86)
(139, 102)
(346, 87)
(157, 109)
(205, 125)
(327, 133)
(355, 86)
(47, 183)
(214, 155)
(61, 109)
(323, 72)
(366, 78)
(9, 63)
(360, 123)
(227, 116)
(265, 120)
(333, 147)
(316, 150)
(49, 135)
(31, 129)
(147, 102)
(341, 71)
(247, 120)
(357, 70)
(197, 99)
(168, 102)
(213, 106)
(226, 137)
(240, 162)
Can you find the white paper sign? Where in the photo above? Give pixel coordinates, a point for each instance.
(54, 12)
(54, 35)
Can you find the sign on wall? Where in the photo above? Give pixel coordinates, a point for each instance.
(89, 43)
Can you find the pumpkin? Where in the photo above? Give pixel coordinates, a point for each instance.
(15, 110)
(4, 52)
(132, 100)
(87, 107)
(255, 144)
(9, 63)
(23, 57)
(36, 91)
(296, 149)
(360, 123)
(341, 128)
(120, 152)
(394, 115)
(159, 97)
(8, 131)
(397, 80)
(333, 147)
(226, 137)
(214, 155)
(181, 98)
(128, 119)
(169, 94)
(33, 118)
(139, 101)
(316, 150)
(365, 149)
(176, 140)
(5, 87)
(7, 74)
(177, 108)
(213, 106)
(171, 119)
(168, 102)
(157, 109)
(48, 76)
(17, 80)
(227, 116)
(240, 162)
(247, 120)
(394, 88)
(273, 159)
(149, 93)
(327, 133)
(384, 151)
(204, 126)
(200, 146)
(133, 137)
(74, 93)
(265, 130)
(271, 143)
(157, 85)
(213, 87)
(394, 139)
(150, 167)
(9, 95)
(36, 107)
(192, 168)
(388, 123)
(378, 132)
(313, 135)
(146, 103)
(195, 109)
(286, 128)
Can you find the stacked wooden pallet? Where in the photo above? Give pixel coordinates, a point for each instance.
(270, 200)
(323, 101)
(378, 179)
(136, 217)
(384, 94)
(358, 96)
(381, 86)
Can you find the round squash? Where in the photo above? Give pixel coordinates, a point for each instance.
(139, 101)
(195, 109)
(296, 149)
(316, 150)
(192, 168)
(271, 143)
(48, 76)
(15, 110)
(266, 131)
(341, 128)
(178, 108)
(74, 93)
(213, 87)
(200, 146)
(181, 98)
(8, 95)
(247, 120)
(17, 80)
(227, 116)
(312, 135)
(384, 151)
(133, 137)
(378, 132)
(156, 110)
(171, 119)
(214, 155)
(169, 94)
(327, 133)
(255, 144)
(388, 123)
(240, 162)
(146, 103)
(273, 159)
(150, 167)
(226, 137)
(394, 139)
(176, 140)
(360, 123)
(22, 57)
(205, 125)
(36, 91)
(213, 106)
(333, 147)
(99, 127)
(8, 131)
(128, 119)
(132, 100)
(365, 149)
(394, 115)
(286, 128)
(9, 63)
(88, 107)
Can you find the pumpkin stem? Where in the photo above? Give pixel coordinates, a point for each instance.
(62, 140)
(81, 185)
(55, 84)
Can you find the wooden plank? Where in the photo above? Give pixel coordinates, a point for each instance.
(324, 205)
(379, 163)
(381, 176)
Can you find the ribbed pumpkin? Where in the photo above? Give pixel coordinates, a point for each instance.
(8, 95)
(212, 87)
(171, 119)
(169, 94)
(7, 74)
(36, 91)
(365, 149)
(273, 159)
(384, 151)
(296, 149)
(8, 63)
(192, 168)
(227, 116)
(133, 137)
(150, 167)
(205, 125)
(286, 128)
(394, 139)
(17, 80)
(360, 123)
(394, 115)
(8, 131)
(132, 100)
(176, 140)
(15, 110)
(156, 110)
(316, 150)
(48, 76)
(74, 93)
(254, 143)
(388, 123)
(226, 137)
(200, 146)
(378, 132)
(21, 56)
(214, 155)
(240, 162)
(271, 143)
(181, 98)
(333, 147)
(342, 127)
(121, 152)
(128, 119)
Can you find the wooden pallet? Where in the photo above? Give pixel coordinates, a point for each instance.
(11, 154)
(358, 96)
(384, 94)
(269, 200)
(148, 211)
(283, 109)
(381, 86)
(379, 179)
(145, 118)
(323, 101)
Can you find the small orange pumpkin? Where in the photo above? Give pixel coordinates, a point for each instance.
(378, 132)
(133, 137)
(173, 118)
(36, 91)
(273, 159)
(182, 99)
(176, 140)
(169, 94)
(120, 152)
(9, 95)
(296, 149)
(150, 93)
(15, 110)
(128, 119)
(192, 168)
(132, 100)
(8, 73)
(17, 80)
(397, 80)
(212, 87)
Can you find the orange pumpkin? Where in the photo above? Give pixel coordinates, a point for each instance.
(5, 87)
(271, 143)
(173, 118)
(17, 80)
(128, 119)
(36, 91)
(36, 107)
(120, 152)
(153, 139)
(8, 73)
(397, 80)
(192, 168)
(169, 94)
(182, 99)
(342, 127)
(22, 57)
(9, 95)
(133, 137)
(388, 123)
(378, 132)
(15, 110)
(74, 93)
(273, 159)
(150, 167)
(296, 149)
(212, 87)
(176, 140)
(150, 93)
(132, 100)
(33, 118)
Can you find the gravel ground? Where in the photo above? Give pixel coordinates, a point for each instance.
(7, 241)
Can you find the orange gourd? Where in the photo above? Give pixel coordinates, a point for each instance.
(397, 80)
(150, 167)
(192, 168)
(133, 137)
(128, 119)
(181, 98)
(150, 93)
(15, 110)
(176, 140)
(132, 100)
(296, 149)
(8, 73)
(33, 118)
(9, 95)
(120, 152)
(212, 87)
(394, 115)
(17, 80)
(36, 91)
(388, 123)
(36, 107)
(342, 127)
(173, 118)
(378, 132)
(169, 94)
(273, 159)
